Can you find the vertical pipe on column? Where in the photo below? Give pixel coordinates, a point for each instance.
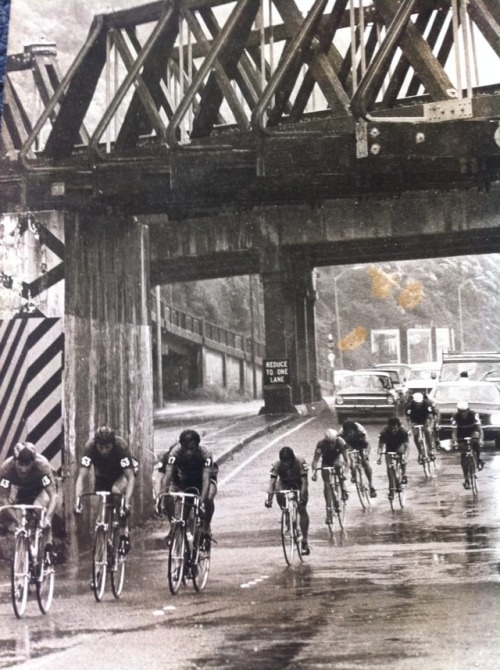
(159, 362)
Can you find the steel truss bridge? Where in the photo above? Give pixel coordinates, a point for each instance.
(185, 108)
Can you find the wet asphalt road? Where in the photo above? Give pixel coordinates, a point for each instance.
(416, 588)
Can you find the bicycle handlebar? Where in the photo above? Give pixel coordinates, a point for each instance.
(25, 508)
(104, 495)
(178, 494)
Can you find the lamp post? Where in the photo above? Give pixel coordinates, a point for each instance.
(336, 304)
(460, 310)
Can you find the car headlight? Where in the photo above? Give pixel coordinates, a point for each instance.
(495, 418)
(339, 400)
(390, 400)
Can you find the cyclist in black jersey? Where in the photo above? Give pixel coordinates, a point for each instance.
(467, 423)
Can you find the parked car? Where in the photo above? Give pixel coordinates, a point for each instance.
(422, 378)
(479, 365)
(483, 398)
(402, 368)
(366, 393)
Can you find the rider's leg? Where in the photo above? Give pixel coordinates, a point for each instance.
(327, 492)
(209, 507)
(304, 524)
(476, 445)
(403, 454)
(367, 468)
(417, 443)
(339, 469)
(388, 465)
(119, 487)
(463, 463)
(428, 438)
(43, 500)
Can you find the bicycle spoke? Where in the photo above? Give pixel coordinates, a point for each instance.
(20, 576)
(99, 564)
(118, 565)
(45, 580)
(176, 559)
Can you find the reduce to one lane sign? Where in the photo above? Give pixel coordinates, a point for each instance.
(276, 371)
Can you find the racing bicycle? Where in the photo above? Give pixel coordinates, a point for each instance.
(360, 479)
(291, 537)
(339, 504)
(471, 464)
(190, 548)
(109, 552)
(426, 459)
(394, 462)
(31, 562)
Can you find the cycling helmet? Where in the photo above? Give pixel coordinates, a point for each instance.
(25, 452)
(286, 454)
(188, 436)
(418, 397)
(462, 405)
(331, 434)
(104, 435)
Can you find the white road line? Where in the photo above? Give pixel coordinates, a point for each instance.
(240, 467)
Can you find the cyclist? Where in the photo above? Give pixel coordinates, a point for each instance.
(114, 470)
(355, 437)
(466, 423)
(394, 439)
(26, 478)
(332, 450)
(421, 411)
(290, 472)
(189, 465)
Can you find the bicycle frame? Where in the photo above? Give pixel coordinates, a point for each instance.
(471, 464)
(28, 562)
(427, 461)
(189, 557)
(394, 463)
(106, 539)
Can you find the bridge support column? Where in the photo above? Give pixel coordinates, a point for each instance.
(290, 331)
(108, 357)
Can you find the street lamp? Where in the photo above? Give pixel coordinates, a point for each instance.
(336, 302)
(460, 311)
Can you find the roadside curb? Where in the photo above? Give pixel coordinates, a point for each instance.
(270, 428)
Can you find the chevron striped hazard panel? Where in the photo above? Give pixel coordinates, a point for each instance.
(31, 364)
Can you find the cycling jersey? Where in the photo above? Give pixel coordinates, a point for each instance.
(329, 451)
(356, 438)
(31, 484)
(107, 468)
(419, 413)
(290, 474)
(188, 470)
(393, 440)
(466, 423)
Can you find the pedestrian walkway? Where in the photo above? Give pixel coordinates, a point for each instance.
(224, 427)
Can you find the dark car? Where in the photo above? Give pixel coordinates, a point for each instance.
(366, 393)
(483, 398)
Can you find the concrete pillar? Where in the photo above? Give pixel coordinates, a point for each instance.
(108, 356)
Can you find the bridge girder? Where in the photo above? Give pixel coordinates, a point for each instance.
(209, 104)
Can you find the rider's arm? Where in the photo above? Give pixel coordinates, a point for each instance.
(205, 484)
(81, 481)
(314, 464)
(51, 507)
(130, 477)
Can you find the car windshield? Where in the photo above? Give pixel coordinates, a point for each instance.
(474, 394)
(422, 374)
(475, 370)
(366, 382)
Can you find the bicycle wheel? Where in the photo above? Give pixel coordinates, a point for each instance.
(362, 487)
(99, 564)
(20, 576)
(118, 565)
(287, 536)
(201, 563)
(400, 487)
(339, 505)
(45, 580)
(392, 486)
(471, 463)
(176, 559)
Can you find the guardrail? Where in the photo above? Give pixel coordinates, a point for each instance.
(199, 330)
